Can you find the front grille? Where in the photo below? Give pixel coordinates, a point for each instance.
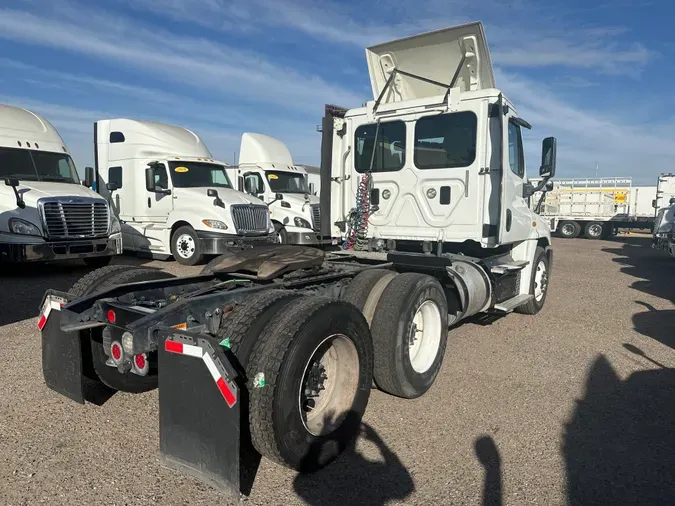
(75, 218)
(316, 217)
(250, 218)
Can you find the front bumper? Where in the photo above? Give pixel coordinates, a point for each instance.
(15, 248)
(213, 243)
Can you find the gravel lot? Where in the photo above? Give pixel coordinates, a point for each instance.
(573, 405)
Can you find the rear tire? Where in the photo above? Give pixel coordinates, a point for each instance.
(569, 229)
(287, 352)
(97, 262)
(407, 359)
(365, 290)
(185, 246)
(104, 279)
(594, 230)
(538, 276)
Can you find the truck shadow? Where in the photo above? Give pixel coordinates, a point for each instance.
(24, 285)
(618, 445)
(355, 480)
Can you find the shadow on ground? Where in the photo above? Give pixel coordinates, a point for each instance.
(354, 480)
(24, 285)
(619, 445)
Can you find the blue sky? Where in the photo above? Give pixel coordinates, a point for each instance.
(597, 75)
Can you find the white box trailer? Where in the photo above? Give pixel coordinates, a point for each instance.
(597, 207)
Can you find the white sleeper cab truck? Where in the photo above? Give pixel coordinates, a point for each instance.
(663, 237)
(172, 198)
(266, 171)
(46, 213)
(272, 351)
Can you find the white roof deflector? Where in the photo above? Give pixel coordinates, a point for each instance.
(436, 58)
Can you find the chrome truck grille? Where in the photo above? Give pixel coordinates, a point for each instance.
(316, 217)
(250, 219)
(74, 218)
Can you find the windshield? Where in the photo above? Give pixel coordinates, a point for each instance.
(31, 165)
(198, 175)
(287, 182)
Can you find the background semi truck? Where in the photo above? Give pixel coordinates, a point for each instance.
(597, 208)
(272, 351)
(46, 212)
(266, 170)
(172, 197)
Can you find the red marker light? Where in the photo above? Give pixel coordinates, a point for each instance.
(116, 351)
(111, 316)
(140, 361)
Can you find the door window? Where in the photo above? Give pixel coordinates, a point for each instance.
(161, 177)
(516, 158)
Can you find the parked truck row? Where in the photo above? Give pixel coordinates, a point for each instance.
(156, 190)
(272, 351)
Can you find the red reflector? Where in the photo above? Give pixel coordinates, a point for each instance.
(173, 346)
(111, 316)
(227, 393)
(116, 351)
(140, 361)
(42, 322)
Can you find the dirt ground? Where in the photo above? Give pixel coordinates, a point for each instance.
(574, 405)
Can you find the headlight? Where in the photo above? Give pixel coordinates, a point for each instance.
(115, 227)
(215, 224)
(19, 226)
(299, 222)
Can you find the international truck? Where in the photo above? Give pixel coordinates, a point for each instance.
(265, 170)
(597, 208)
(273, 351)
(171, 196)
(663, 237)
(46, 212)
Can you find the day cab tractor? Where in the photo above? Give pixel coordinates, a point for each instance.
(272, 351)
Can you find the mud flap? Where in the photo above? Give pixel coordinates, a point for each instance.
(61, 351)
(201, 411)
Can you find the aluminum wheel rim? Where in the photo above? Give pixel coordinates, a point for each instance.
(540, 281)
(185, 245)
(595, 230)
(425, 336)
(339, 359)
(568, 229)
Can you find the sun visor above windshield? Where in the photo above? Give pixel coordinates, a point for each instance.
(434, 56)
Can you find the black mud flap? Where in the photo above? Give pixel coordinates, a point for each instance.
(61, 351)
(203, 417)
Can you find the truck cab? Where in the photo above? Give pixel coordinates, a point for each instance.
(46, 212)
(172, 197)
(266, 171)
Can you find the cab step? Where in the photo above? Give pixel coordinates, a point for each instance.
(505, 267)
(509, 305)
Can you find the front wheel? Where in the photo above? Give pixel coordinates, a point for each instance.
(282, 235)
(185, 246)
(538, 283)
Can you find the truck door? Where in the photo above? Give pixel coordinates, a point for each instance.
(515, 222)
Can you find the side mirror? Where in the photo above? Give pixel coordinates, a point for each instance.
(214, 194)
(672, 201)
(548, 186)
(112, 187)
(311, 189)
(12, 181)
(278, 196)
(150, 179)
(654, 204)
(250, 186)
(548, 157)
(89, 177)
(211, 193)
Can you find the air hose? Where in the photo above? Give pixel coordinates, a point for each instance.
(357, 235)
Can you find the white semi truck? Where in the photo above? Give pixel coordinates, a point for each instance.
(597, 208)
(266, 171)
(272, 351)
(46, 212)
(172, 197)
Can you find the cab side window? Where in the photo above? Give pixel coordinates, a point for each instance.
(161, 177)
(516, 158)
